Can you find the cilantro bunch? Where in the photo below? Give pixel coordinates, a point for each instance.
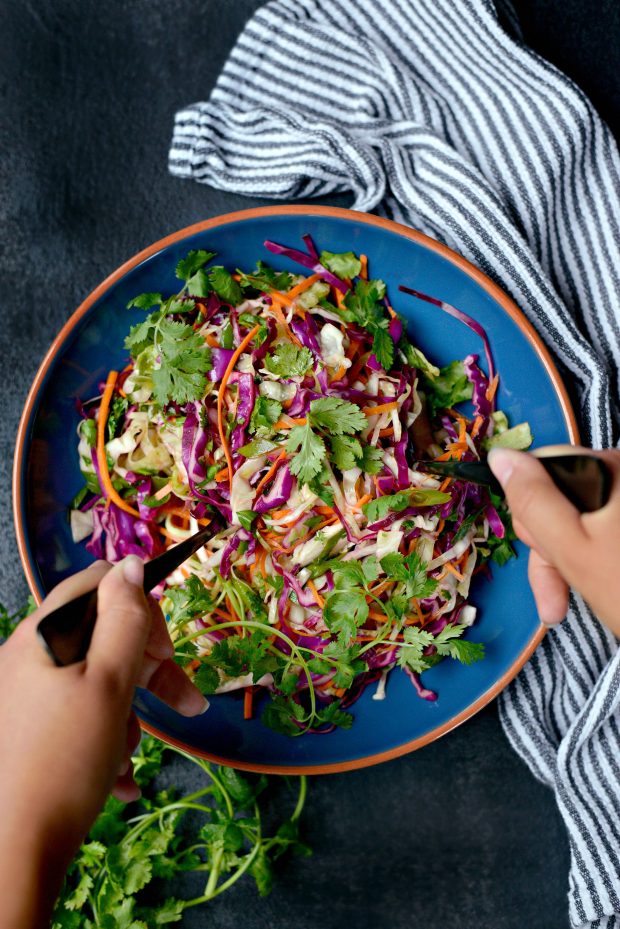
(134, 856)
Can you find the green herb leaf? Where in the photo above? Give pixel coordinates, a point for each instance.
(376, 510)
(344, 612)
(518, 437)
(265, 414)
(265, 278)
(257, 447)
(336, 416)
(346, 451)
(310, 449)
(189, 265)
(450, 387)
(383, 347)
(344, 264)
(198, 284)
(288, 360)
(411, 653)
(412, 571)
(247, 518)
(145, 301)
(225, 286)
(371, 461)
(184, 362)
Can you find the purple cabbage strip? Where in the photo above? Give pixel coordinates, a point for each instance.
(229, 550)
(307, 332)
(495, 523)
(462, 317)
(193, 444)
(480, 383)
(220, 358)
(279, 493)
(308, 261)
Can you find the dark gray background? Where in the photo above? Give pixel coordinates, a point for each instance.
(456, 835)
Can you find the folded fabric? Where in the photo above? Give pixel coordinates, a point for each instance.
(429, 112)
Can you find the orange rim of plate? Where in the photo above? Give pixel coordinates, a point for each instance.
(509, 307)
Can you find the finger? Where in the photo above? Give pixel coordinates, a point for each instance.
(552, 522)
(159, 644)
(71, 588)
(125, 789)
(123, 623)
(549, 588)
(132, 740)
(171, 684)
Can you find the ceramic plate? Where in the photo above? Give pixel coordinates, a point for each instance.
(47, 474)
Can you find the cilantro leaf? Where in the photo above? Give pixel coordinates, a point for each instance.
(265, 414)
(184, 362)
(372, 459)
(141, 335)
(258, 447)
(192, 263)
(308, 462)
(118, 408)
(411, 653)
(344, 660)
(448, 643)
(225, 286)
(336, 416)
(343, 264)
(383, 347)
(145, 301)
(416, 358)
(265, 278)
(452, 386)
(344, 612)
(288, 360)
(411, 570)
(198, 284)
(346, 451)
(376, 510)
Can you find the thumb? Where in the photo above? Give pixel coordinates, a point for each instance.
(542, 516)
(123, 624)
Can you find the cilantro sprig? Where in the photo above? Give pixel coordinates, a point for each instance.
(336, 422)
(364, 306)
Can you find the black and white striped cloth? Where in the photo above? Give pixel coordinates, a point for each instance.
(430, 113)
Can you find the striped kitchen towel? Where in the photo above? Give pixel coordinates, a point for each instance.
(431, 113)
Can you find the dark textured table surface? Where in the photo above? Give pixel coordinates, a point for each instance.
(456, 835)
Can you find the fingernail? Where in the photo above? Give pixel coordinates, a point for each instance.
(133, 570)
(193, 705)
(205, 707)
(501, 462)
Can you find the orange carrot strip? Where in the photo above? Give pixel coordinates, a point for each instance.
(382, 408)
(288, 424)
(220, 396)
(221, 475)
(360, 503)
(445, 484)
(102, 460)
(477, 426)
(267, 477)
(388, 431)
(248, 699)
(450, 567)
(319, 599)
(161, 493)
(364, 268)
(391, 311)
(303, 285)
(279, 315)
(492, 388)
(212, 341)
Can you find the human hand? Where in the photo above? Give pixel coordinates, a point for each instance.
(569, 549)
(67, 734)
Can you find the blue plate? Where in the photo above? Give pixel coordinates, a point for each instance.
(47, 474)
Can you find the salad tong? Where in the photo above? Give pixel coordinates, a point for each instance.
(66, 632)
(584, 479)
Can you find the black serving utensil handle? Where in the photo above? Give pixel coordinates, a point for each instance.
(585, 480)
(67, 631)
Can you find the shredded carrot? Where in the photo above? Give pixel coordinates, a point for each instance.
(289, 423)
(161, 493)
(324, 510)
(340, 373)
(272, 470)
(391, 312)
(445, 484)
(303, 285)
(220, 396)
(319, 599)
(205, 521)
(492, 388)
(221, 475)
(477, 426)
(364, 268)
(276, 309)
(382, 408)
(450, 567)
(389, 430)
(248, 699)
(212, 341)
(102, 460)
(360, 503)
